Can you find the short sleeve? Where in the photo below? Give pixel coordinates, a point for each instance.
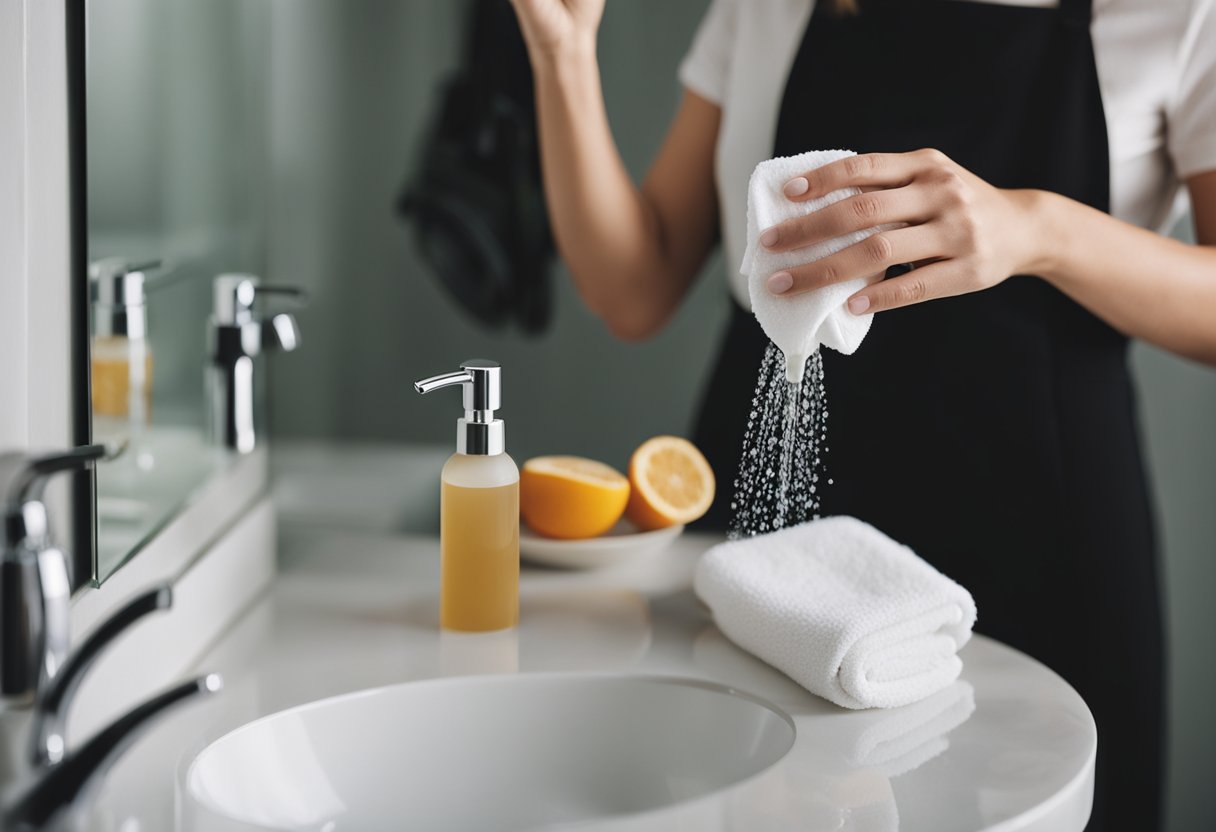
(706, 67)
(1192, 114)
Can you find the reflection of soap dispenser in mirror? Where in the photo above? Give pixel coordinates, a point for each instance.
(121, 359)
(479, 509)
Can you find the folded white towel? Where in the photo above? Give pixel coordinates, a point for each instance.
(842, 609)
(798, 324)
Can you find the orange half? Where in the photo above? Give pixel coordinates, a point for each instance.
(672, 483)
(571, 497)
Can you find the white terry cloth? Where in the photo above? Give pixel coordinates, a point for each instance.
(842, 609)
(798, 324)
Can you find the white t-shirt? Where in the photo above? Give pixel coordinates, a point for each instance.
(1156, 63)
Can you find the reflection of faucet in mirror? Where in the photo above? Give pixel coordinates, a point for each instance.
(45, 789)
(237, 337)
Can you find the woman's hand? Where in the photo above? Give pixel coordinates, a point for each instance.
(551, 26)
(961, 233)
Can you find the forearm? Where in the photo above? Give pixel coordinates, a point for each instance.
(1143, 284)
(606, 228)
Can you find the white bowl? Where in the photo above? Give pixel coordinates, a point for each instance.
(495, 753)
(622, 542)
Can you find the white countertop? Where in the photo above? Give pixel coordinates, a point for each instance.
(355, 609)
(352, 611)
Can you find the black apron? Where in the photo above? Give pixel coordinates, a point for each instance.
(994, 433)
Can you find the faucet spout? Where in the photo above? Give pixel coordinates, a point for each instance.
(281, 332)
(35, 663)
(49, 730)
(63, 787)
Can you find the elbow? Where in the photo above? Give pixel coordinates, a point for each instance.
(632, 317)
(1206, 356)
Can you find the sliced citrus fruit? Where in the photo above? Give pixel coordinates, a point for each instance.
(571, 497)
(672, 483)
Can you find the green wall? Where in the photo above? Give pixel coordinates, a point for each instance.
(354, 87)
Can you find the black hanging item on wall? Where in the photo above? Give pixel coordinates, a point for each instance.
(475, 200)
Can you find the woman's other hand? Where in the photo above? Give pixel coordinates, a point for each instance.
(552, 26)
(962, 233)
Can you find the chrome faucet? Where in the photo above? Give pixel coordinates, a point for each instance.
(38, 676)
(237, 337)
(35, 589)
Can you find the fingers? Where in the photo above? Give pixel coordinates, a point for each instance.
(924, 191)
(873, 255)
(856, 213)
(883, 170)
(937, 280)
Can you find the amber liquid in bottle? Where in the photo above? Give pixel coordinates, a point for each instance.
(479, 542)
(112, 377)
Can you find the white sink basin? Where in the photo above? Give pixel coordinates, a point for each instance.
(487, 753)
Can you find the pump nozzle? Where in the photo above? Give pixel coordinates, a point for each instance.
(426, 385)
(478, 432)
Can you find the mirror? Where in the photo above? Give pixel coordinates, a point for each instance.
(328, 159)
(175, 102)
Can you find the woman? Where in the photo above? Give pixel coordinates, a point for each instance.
(987, 421)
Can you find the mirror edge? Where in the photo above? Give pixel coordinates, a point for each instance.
(83, 503)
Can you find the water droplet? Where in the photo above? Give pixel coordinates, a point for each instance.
(782, 459)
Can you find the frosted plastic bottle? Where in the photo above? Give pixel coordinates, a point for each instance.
(479, 543)
(479, 510)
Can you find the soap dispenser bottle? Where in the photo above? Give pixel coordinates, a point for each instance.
(120, 354)
(479, 509)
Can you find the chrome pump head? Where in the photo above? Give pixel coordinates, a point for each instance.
(119, 290)
(478, 433)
